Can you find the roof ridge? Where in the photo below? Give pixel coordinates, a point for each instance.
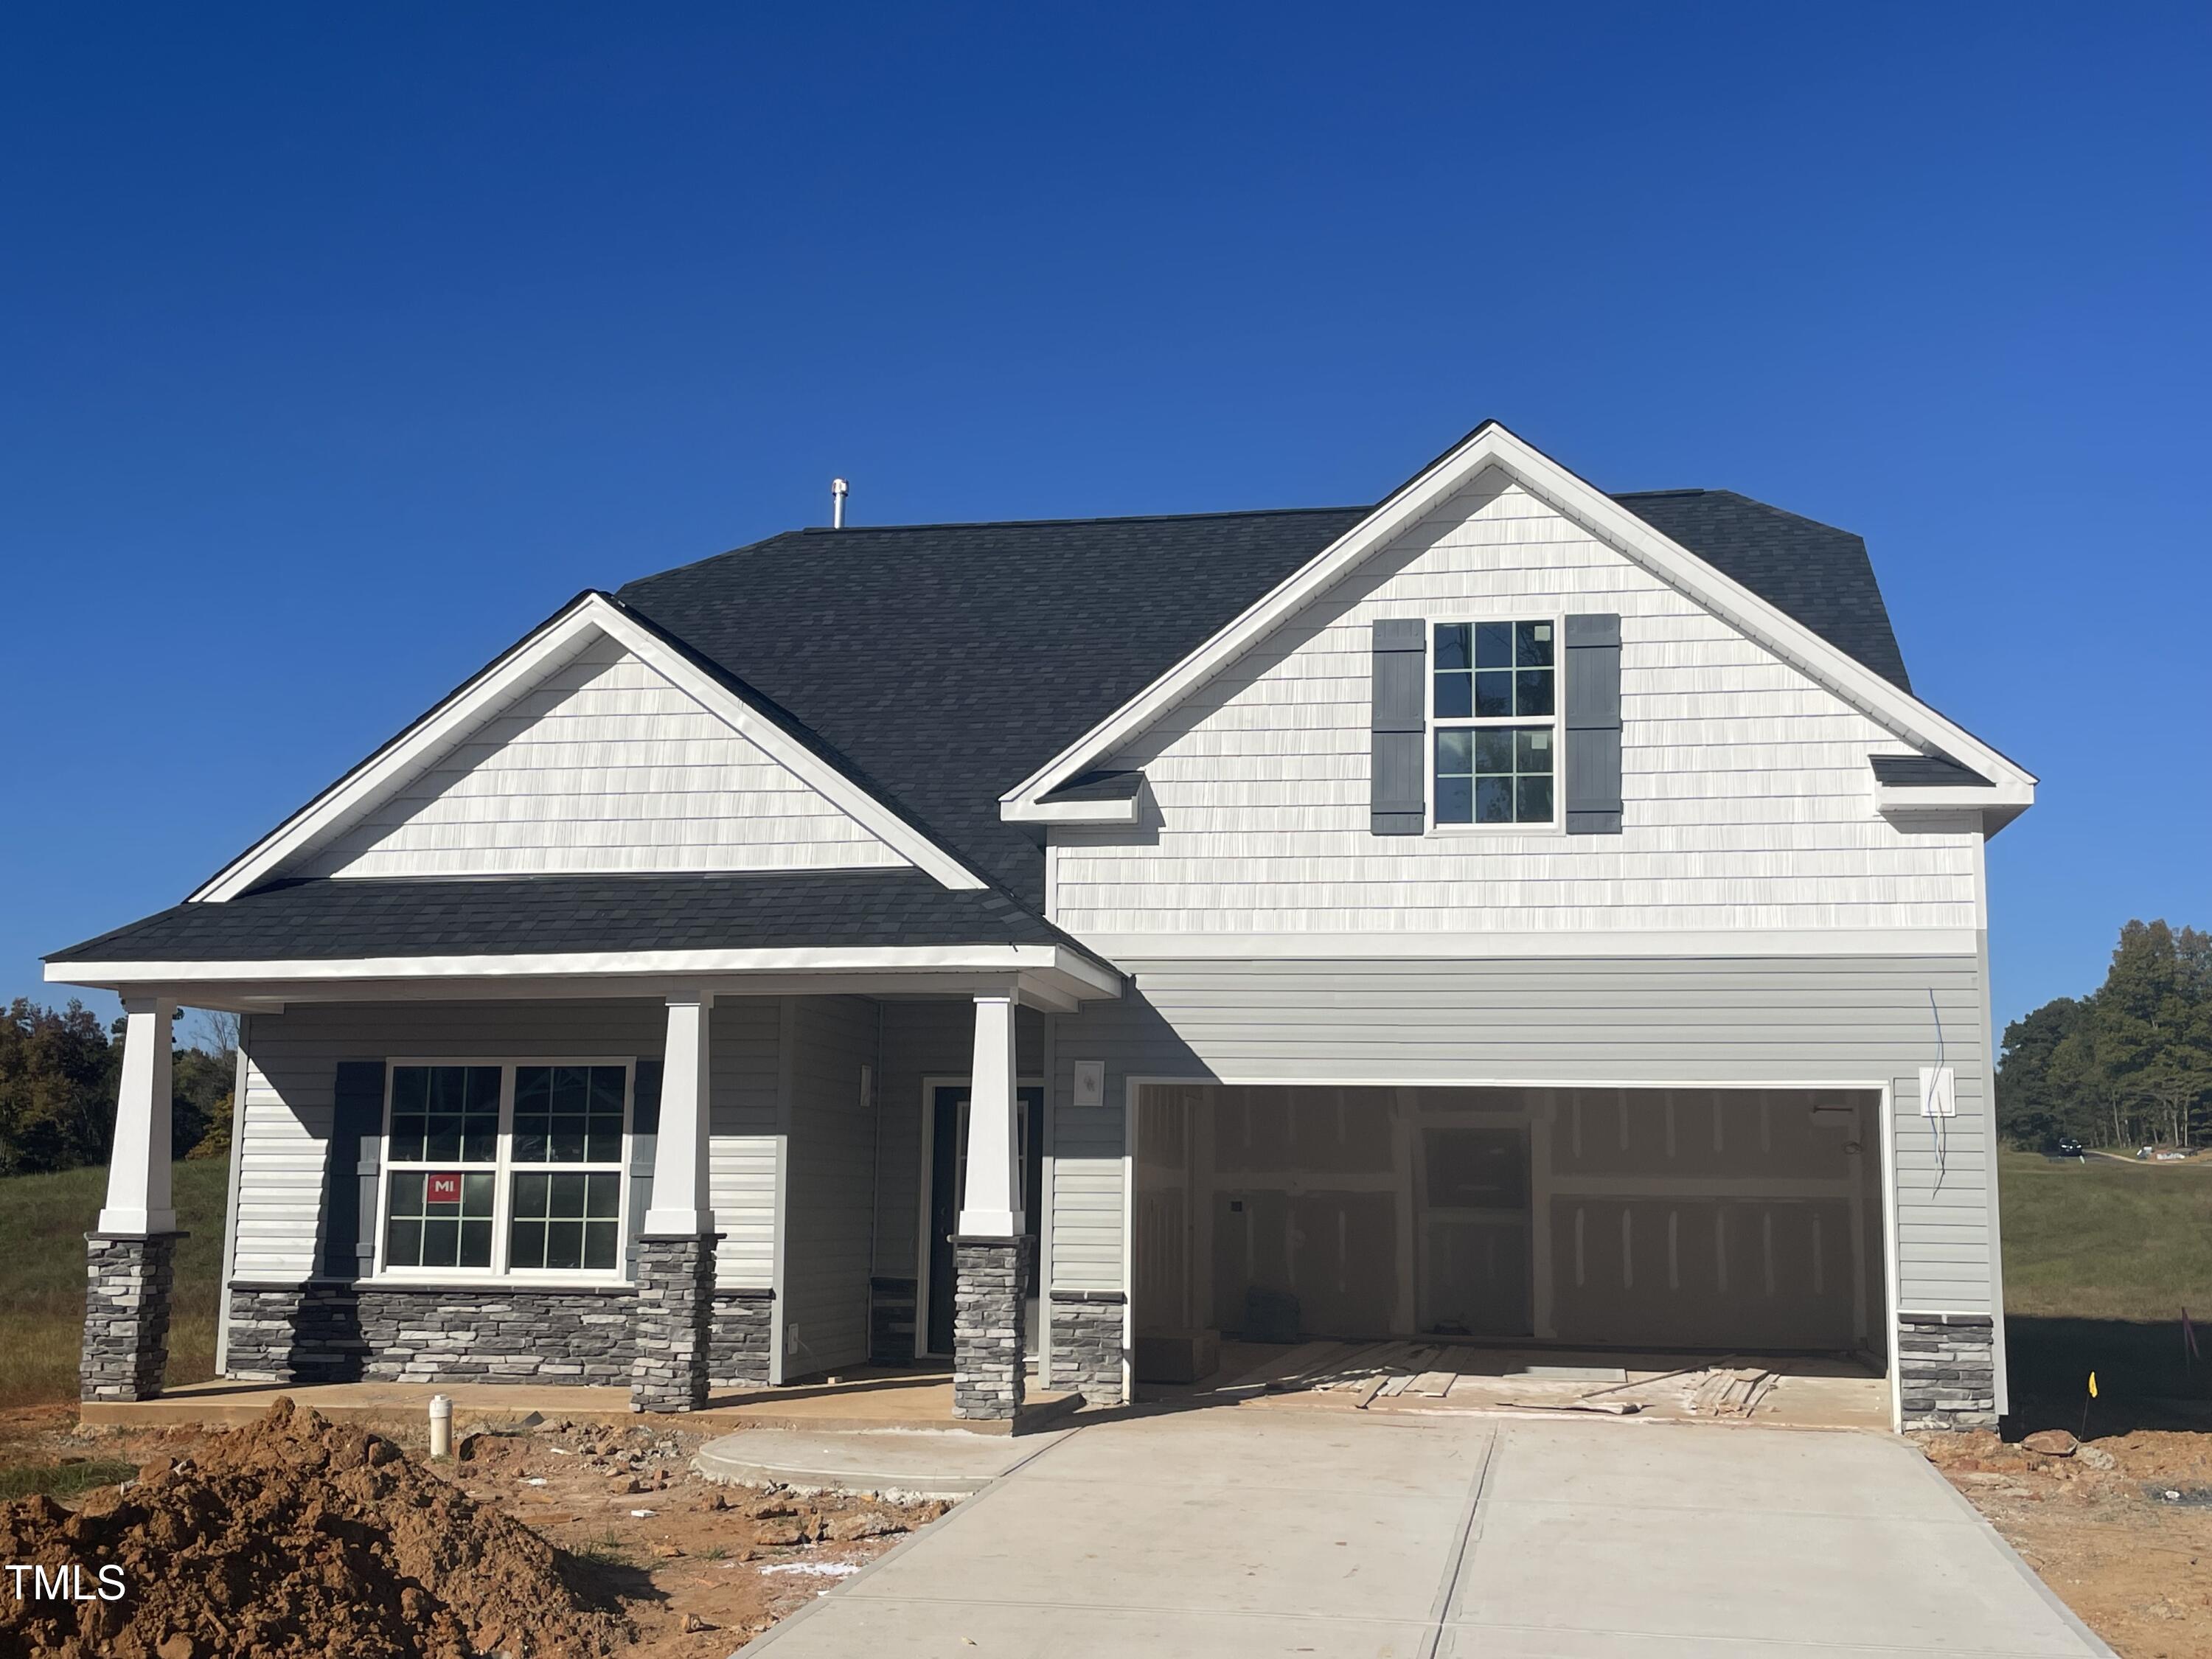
(1126, 517)
(1039, 523)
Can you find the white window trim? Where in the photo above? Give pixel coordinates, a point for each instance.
(1556, 825)
(503, 1169)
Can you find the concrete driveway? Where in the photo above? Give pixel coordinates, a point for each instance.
(1248, 1532)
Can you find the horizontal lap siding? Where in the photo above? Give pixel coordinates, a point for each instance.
(605, 766)
(283, 1143)
(292, 1066)
(830, 1192)
(1862, 1020)
(1749, 802)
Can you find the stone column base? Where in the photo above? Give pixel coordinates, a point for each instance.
(129, 1278)
(987, 1328)
(674, 1325)
(1086, 1343)
(1946, 1370)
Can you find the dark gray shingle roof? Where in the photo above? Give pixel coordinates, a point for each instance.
(946, 662)
(328, 920)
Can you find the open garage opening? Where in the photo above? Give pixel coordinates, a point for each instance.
(1652, 1221)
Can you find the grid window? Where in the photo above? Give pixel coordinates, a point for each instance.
(571, 1221)
(444, 1114)
(1494, 775)
(1493, 703)
(439, 1219)
(510, 1168)
(1494, 670)
(567, 1114)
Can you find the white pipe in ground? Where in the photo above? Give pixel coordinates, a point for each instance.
(441, 1426)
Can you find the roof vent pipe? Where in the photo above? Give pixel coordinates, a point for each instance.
(838, 489)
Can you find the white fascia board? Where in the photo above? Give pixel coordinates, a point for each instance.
(1996, 805)
(1073, 811)
(514, 674)
(1492, 445)
(1054, 959)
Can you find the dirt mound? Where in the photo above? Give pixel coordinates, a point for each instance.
(295, 1536)
(2177, 1459)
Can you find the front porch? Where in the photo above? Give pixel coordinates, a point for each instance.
(604, 1192)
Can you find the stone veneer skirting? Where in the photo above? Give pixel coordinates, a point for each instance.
(987, 1372)
(129, 1280)
(333, 1331)
(892, 1321)
(1086, 1344)
(742, 1339)
(1946, 1370)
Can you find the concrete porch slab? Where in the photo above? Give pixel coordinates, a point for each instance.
(889, 1462)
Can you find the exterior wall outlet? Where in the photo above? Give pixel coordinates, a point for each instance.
(1939, 1094)
(1090, 1082)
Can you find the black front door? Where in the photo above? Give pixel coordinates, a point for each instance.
(948, 1167)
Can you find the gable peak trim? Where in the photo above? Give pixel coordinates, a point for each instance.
(1493, 445)
(552, 643)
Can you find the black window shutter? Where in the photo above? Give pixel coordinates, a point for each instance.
(644, 1135)
(356, 1154)
(1398, 803)
(1593, 722)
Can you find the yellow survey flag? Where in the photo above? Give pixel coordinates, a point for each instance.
(2092, 1385)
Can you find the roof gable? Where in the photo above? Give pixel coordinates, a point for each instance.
(604, 766)
(486, 783)
(1759, 618)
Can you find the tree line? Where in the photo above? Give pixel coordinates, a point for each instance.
(2129, 1065)
(58, 1072)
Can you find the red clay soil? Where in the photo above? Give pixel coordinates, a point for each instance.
(295, 1537)
(2121, 1528)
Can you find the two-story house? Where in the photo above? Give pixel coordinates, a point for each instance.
(1507, 912)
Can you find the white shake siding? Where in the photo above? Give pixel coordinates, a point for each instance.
(1866, 1020)
(1749, 803)
(292, 1064)
(605, 766)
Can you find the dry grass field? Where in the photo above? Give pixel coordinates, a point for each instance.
(2101, 1257)
(43, 1221)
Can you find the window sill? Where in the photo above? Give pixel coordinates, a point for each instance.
(1455, 831)
(465, 1281)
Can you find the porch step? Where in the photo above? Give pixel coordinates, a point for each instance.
(905, 1463)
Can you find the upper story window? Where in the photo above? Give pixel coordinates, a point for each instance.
(1493, 722)
(513, 1168)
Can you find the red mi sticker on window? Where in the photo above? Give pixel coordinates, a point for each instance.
(443, 1189)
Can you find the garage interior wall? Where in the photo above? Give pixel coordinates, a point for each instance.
(1621, 1217)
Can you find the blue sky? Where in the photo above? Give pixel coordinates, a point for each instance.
(341, 345)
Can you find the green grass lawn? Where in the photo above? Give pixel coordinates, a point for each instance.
(43, 1221)
(2101, 1239)
(2099, 1260)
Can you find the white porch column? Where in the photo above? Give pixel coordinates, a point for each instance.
(681, 1204)
(138, 1198)
(991, 1197)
